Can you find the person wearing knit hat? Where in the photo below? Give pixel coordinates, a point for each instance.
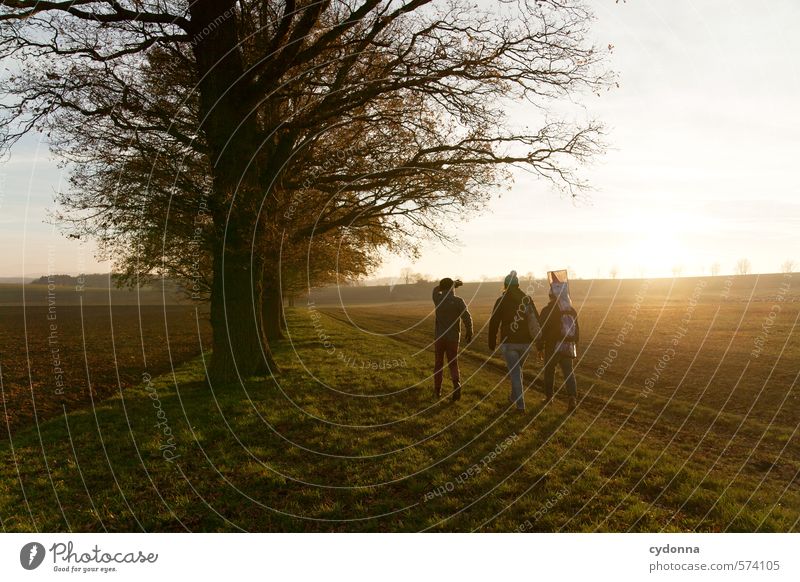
(511, 279)
(514, 315)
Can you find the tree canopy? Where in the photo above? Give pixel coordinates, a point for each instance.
(252, 126)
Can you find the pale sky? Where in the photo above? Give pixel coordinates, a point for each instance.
(704, 161)
(703, 164)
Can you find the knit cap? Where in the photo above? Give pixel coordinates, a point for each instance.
(511, 279)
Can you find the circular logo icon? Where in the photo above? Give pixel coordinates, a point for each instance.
(31, 555)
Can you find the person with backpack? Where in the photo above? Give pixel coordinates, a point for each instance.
(451, 311)
(514, 316)
(558, 340)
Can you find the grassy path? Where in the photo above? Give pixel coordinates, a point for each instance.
(348, 438)
(702, 426)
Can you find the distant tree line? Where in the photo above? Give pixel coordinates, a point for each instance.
(102, 281)
(92, 280)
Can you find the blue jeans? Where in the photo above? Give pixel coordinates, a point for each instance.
(515, 355)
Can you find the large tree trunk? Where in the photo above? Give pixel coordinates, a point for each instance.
(241, 349)
(272, 306)
(241, 178)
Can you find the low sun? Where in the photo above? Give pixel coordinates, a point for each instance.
(657, 248)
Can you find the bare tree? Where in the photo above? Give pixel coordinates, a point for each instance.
(406, 273)
(421, 278)
(613, 272)
(788, 266)
(715, 268)
(677, 270)
(743, 266)
(416, 88)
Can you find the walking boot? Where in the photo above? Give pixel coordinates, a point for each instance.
(572, 404)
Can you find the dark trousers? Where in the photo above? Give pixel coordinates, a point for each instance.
(445, 349)
(551, 360)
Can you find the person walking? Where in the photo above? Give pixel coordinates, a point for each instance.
(451, 311)
(558, 342)
(514, 316)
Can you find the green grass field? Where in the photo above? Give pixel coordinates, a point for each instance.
(349, 438)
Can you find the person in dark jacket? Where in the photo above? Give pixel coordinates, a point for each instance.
(451, 311)
(514, 316)
(553, 342)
